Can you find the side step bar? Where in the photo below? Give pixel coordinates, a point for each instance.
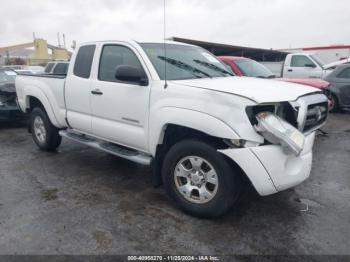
(114, 149)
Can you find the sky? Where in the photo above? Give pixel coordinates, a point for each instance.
(254, 23)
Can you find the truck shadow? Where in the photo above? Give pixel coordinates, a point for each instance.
(125, 178)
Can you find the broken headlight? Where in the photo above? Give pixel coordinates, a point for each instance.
(277, 131)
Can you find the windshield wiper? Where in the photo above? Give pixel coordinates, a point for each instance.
(213, 67)
(267, 77)
(195, 71)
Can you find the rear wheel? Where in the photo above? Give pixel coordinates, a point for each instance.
(200, 179)
(45, 135)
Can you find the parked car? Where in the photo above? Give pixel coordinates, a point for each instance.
(12, 67)
(201, 129)
(9, 110)
(340, 86)
(57, 67)
(243, 66)
(27, 69)
(333, 65)
(300, 65)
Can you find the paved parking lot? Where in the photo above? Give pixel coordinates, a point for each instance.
(82, 201)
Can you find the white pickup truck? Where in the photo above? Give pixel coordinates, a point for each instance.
(300, 65)
(176, 107)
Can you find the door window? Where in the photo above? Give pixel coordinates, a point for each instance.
(301, 61)
(113, 56)
(345, 73)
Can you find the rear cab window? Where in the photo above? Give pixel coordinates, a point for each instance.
(83, 61)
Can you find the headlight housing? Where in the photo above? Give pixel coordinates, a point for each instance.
(277, 131)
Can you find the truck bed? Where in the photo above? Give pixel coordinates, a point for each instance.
(50, 90)
(60, 76)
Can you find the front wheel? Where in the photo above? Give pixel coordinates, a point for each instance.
(45, 135)
(333, 103)
(200, 179)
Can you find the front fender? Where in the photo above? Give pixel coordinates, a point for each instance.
(188, 118)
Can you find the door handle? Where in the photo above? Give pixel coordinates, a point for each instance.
(290, 70)
(96, 92)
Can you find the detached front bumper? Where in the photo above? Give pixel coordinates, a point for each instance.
(270, 169)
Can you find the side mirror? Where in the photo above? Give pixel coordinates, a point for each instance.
(132, 74)
(310, 65)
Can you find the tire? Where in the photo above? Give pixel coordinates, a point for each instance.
(45, 135)
(335, 103)
(223, 194)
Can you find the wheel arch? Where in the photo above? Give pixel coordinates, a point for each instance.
(176, 120)
(171, 125)
(170, 137)
(40, 100)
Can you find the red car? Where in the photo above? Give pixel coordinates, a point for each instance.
(243, 66)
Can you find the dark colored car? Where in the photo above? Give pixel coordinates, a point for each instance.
(340, 86)
(9, 109)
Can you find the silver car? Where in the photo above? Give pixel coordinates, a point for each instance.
(340, 87)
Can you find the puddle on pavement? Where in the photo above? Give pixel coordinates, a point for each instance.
(49, 194)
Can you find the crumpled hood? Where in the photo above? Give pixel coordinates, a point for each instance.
(258, 90)
(7, 93)
(8, 87)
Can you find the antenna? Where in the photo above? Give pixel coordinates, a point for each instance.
(58, 39)
(164, 32)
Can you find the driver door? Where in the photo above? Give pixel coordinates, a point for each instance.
(119, 109)
(302, 66)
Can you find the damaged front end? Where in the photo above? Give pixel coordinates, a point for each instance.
(9, 109)
(284, 159)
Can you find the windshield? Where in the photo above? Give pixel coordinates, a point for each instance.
(7, 76)
(252, 68)
(184, 62)
(318, 60)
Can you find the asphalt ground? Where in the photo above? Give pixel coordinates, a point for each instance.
(82, 201)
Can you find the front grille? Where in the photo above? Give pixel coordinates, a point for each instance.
(315, 116)
(312, 113)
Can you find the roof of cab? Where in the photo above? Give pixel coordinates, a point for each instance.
(135, 42)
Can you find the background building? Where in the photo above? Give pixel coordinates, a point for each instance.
(258, 54)
(38, 52)
(328, 54)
